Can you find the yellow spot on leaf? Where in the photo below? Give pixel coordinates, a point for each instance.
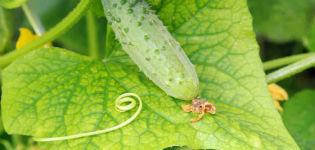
(278, 94)
(27, 36)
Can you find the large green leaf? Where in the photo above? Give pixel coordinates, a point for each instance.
(52, 92)
(281, 20)
(298, 116)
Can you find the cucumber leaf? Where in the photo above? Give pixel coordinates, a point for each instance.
(298, 117)
(53, 92)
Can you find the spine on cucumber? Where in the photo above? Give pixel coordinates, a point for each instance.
(152, 47)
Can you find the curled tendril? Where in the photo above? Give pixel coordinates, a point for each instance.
(124, 98)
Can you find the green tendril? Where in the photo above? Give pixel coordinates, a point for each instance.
(124, 98)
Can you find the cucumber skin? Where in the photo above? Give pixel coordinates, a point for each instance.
(152, 47)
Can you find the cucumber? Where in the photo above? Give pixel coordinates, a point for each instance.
(152, 47)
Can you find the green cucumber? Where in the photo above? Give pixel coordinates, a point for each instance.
(152, 47)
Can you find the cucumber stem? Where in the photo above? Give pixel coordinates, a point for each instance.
(6, 144)
(272, 64)
(92, 35)
(291, 70)
(49, 36)
(110, 36)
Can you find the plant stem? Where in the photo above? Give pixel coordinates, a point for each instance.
(109, 40)
(285, 61)
(6, 144)
(17, 140)
(92, 35)
(52, 34)
(290, 70)
(34, 20)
